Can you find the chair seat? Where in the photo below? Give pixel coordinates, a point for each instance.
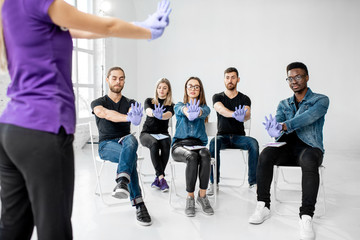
(277, 189)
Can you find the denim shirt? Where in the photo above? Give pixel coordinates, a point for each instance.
(308, 120)
(190, 129)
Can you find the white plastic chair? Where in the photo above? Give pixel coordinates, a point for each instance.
(244, 154)
(295, 186)
(98, 171)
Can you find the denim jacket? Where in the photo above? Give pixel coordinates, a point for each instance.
(308, 120)
(190, 129)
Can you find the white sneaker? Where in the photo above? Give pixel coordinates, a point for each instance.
(210, 190)
(306, 228)
(261, 213)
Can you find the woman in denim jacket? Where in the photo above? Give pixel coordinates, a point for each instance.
(191, 115)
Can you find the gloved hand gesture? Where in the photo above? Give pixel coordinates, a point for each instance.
(157, 21)
(240, 113)
(135, 114)
(158, 111)
(162, 9)
(272, 126)
(193, 109)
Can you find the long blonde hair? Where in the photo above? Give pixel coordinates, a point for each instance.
(168, 99)
(3, 58)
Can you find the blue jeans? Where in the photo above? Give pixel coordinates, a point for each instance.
(236, 142)
(124, 154)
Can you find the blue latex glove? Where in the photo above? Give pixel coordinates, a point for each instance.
(158, 111)
(157, 21)
(240, 113)
(193, 110)
(272, 126)
(162, 9)
(135, 114)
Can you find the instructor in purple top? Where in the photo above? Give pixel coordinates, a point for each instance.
(37, 126)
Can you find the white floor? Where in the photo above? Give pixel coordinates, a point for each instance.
(92, 220)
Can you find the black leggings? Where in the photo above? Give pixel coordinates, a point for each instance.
(309, 159)
(196, 161)
(159, 151)
(37, 183)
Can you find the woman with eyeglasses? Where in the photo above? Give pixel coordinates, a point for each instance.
(189, 144)
(155, 135)
(38, 123)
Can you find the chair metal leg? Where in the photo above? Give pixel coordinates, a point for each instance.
(276, 189)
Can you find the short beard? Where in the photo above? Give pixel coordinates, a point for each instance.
(112, 89)
(230, 88)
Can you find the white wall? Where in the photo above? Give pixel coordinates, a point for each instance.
(260, 37)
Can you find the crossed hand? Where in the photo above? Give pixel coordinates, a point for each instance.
(272, 126)
(240, 113)
(135, 114)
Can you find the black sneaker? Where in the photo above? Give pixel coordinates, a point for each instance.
(142, 216)
(121, 190)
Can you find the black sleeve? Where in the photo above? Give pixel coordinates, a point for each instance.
(96, 102)
(217, 98)
(170, 108)
(148, 104)
(247, 101)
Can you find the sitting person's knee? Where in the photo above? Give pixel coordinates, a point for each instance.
(204, 153)
(191, 156)
(131, 141)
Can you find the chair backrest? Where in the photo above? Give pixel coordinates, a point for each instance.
(247, 127)
(211, 129)
(172, 126)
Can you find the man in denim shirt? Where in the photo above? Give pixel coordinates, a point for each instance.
(299, 122)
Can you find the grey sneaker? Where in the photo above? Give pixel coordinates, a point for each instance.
(210, 190)
(205, 205)
(190, 207)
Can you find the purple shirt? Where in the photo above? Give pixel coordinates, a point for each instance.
(39, 61)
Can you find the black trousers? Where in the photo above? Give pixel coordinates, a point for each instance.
(37, 183)
(159, 151)
(197, 161)
(309, 159)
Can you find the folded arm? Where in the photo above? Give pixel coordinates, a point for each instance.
(110, 115)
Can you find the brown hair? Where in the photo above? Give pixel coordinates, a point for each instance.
(113, 69)
(3, 58)
(168, 99)
(201, 96)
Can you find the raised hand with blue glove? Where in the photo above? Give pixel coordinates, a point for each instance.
(272, 126)
(157, 21)
(135, 114)
(158, 111)
(240, 113)
(193, 109)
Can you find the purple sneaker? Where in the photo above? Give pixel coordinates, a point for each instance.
(164, 187)
(156, 183)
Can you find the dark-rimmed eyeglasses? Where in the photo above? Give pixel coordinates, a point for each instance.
(195, 87)
(297, 78)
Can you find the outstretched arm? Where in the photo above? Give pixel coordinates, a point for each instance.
(84, 25)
